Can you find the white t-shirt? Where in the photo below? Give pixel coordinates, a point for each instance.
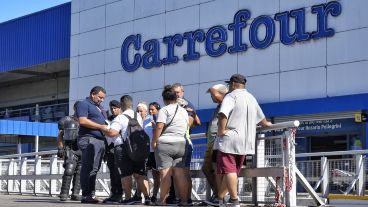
(176, 131)
(120, 123)
(243, 113)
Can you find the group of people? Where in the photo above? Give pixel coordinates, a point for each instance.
(90, 135)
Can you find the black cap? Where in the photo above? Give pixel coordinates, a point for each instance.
(237, 78)
(115, 103)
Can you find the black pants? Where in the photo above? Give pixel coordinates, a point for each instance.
(93, 150)
(72, 167)
(116, 189)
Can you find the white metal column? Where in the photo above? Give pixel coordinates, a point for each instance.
(37, 171)
(23, 171)
(53, 171)
(325, 177)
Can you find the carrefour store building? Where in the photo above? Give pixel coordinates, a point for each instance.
(305, 59)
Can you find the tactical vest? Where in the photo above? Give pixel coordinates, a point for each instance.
(71, 127)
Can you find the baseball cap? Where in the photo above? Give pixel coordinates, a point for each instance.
(237, 78)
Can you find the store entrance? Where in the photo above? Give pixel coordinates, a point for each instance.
(328, 144)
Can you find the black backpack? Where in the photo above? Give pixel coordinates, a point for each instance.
(137, 143)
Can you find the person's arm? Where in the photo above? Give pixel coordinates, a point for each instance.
(60, 139)
(84, 121)
(193, 117)
(190, 121)
(156, 133)
(222, 121)
(265, 123)
(60, 145)
(111, 133)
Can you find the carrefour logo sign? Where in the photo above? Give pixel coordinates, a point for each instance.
(215, 38)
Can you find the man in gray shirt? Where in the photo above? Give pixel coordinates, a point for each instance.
(237, 121)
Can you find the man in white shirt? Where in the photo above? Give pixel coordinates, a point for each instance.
(126, 166)
(237, 121)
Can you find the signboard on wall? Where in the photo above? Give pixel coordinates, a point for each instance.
(328, 126)
(215, 38)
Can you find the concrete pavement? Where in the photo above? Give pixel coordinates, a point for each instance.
(44, 201)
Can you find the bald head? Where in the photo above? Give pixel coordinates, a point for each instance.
(218, 92)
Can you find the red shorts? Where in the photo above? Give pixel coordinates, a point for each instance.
(229, 163)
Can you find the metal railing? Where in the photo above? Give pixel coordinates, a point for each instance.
(269, 177)
(46, 113)
(338, 176)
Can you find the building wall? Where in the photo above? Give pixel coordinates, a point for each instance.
(321, 68)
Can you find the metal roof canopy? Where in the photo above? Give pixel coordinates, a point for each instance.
(35, 39)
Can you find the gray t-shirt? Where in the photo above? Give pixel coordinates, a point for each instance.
(243, 113)
(176, 131)
(212, 126)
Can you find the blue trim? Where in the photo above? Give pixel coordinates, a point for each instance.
(314, 106)
(35, 39)
(28, 128)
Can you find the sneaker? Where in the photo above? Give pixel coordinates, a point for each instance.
(190, 202)
(213, 201)
(75, 197)
(137, 199)
(63, 197)
(153, 199)
(172, 201)
(90, 199)
(147, 201)
(112, 199)
(127, 201)
(234, 202)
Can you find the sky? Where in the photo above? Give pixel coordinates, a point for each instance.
(11, 9)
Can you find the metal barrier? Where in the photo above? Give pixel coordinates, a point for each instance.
(46, 113)
(269, 177)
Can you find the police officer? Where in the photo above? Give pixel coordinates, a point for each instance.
(68, 149)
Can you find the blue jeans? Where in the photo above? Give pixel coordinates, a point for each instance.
(92, 153)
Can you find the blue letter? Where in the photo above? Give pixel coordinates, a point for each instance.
(240, 22)
(299, 33)
(216, 34)
(192, 37)
(322, 11)
(136, 41)
(299, 16)
(285, 37)
(270, 32)
(171, 41)
(152, 56)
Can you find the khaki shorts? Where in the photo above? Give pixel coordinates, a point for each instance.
(209, 162)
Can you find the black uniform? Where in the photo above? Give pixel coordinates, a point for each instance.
(72, 156)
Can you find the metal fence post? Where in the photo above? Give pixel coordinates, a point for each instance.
(53, 171)
(259, 183)
(325, 172)
(37, 171)
(360, 168)
(289, 158)
(11, 172)
(1, 172)
(23, 171)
